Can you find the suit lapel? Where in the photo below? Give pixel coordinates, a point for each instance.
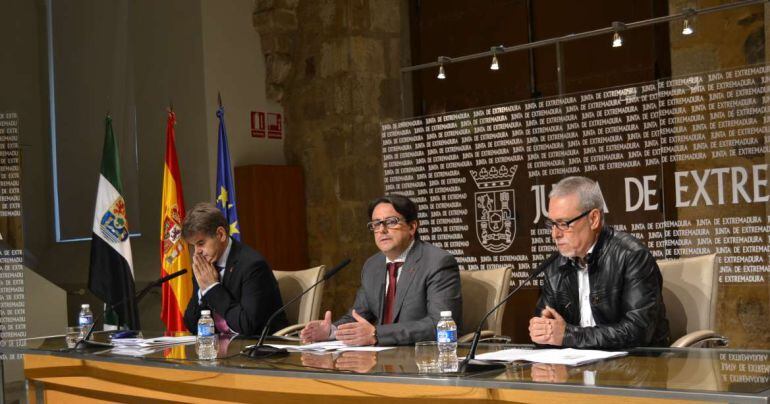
(378, 280)
(408, 273)
(232, 261)
(570, 275)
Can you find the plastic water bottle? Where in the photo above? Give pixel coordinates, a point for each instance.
(85, 319)
(206, 342)
(446, 336)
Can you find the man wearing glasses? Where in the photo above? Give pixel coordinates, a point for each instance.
(403, 288)
(603, 288)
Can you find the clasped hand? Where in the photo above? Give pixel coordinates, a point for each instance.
(204, 271)
(548, 329)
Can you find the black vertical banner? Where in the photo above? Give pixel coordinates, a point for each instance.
(682, 163)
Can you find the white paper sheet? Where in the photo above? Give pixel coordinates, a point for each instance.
(567, 356)
(330, 346)
(153, 342)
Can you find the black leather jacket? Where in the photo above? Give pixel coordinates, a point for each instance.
(626, 298)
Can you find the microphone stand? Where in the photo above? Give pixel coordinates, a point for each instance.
(466, 366)
(263, 351)
(85, 342)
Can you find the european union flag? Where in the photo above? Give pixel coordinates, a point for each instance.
(225, 190)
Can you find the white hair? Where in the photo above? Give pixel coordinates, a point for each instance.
(588, 192)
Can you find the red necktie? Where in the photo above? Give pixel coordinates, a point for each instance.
(224, 342)
(220, 324)
(390, 295)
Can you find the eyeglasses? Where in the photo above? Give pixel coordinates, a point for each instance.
(389, 222)
(561, 225)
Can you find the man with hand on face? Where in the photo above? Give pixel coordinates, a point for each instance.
(603, 288)
(403, 288)
(231, 279)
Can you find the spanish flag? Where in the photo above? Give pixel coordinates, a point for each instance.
(174, 254)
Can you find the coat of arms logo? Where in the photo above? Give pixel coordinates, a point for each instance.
(172, 232)
(114, 225)
(495, 207)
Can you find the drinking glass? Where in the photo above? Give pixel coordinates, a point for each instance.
(426, 357)
(72, 336)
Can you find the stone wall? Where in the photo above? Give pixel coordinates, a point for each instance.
(334, 67)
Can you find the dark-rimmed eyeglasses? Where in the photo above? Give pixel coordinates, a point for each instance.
(389, 222)
(564, 225)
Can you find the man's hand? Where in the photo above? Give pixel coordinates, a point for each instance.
(359, 333)
(547, 373)
(204, 272)
(548, 329)
(359, 362)
(317, 330)
(314, 360)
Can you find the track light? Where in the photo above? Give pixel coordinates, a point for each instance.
(441, 73)
(617, 39)
(686, 26)
(495, 50)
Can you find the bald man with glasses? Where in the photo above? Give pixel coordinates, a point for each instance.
(603, 288)
(403, 288)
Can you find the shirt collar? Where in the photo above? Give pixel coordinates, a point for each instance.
(402, 257)
(582, 262)
(222, 261)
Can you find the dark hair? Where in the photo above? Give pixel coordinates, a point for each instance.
(204, 218)
(403, 205)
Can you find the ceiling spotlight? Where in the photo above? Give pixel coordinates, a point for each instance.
(686, 26)
(441, 73)
(495, 64)
(617, 39)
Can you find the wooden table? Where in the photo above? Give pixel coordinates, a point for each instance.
(56, 374)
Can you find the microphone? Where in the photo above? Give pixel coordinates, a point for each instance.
(263, 351)
(84, 342)
(466, 365)
(158, 282)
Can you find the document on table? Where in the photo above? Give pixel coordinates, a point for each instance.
(331, 346)
(568, 356)
(141, 346)
(153, 342)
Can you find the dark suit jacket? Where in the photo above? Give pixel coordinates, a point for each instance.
(246, 296)
(429, 283)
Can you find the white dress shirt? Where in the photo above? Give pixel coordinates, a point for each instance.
(584, 296)
(402, 259)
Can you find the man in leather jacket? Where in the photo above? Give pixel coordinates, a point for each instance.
(603, 288)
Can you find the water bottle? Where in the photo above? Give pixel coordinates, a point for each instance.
(446, 336)
(206, 342)
(85, 319)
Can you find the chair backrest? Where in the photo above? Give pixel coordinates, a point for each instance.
(690, 293)
(482, 290)
(292, 283)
